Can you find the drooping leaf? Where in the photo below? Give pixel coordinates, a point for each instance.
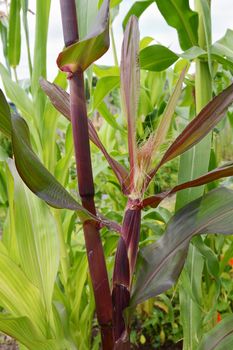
(137, 10)
(34, 174)
(178, 14)
(163, 261)
(220, 337)
(157, 58)
(14, 39)
(130, 83)
(79, 56)
(219, 173)
(61, 101)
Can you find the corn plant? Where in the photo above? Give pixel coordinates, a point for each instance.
(38, 322)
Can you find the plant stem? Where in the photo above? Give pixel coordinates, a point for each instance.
(79, 122)
(126, 257)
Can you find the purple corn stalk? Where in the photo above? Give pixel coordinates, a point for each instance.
(79, 122)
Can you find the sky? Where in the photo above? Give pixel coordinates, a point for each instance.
(151, 24)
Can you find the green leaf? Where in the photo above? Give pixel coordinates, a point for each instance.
(224, 46)
(87, 11)
(23, 330)
(14, 39)
(34, 174)
(17, 95)
(137, 10)
(205, 14)
(163, 261)
(24, 5)
(104, 86)
(37, 243)
(220, 337)
(178, 14)
(4, 115)
(82, 54)
(192, 53)
(40, 57)
(110, 119)
(156, 58)
(18, 295)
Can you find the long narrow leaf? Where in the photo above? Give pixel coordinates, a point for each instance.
(199, 127)
(14, 41)
(61, 101)
(213, 175)
(130, 83)
(220, 337)
(163, 261)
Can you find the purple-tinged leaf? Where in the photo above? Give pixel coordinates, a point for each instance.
(224, 171)
(61, 101)
(80, 55)
(220, 337)
(163, 260)
(199, 127)
(148, 152)
(130, 83)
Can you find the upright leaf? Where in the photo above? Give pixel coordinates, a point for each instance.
(14, 39)
(178, 14)
(37, 240)
(130, 83)
(199, 127)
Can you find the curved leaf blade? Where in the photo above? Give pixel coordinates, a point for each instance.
(156, 58)
(219, 173)
(199, 127)
(178, 15)
(79, 56)
(61, 101)
(137, 10)
(163, 261)
(220, 337)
